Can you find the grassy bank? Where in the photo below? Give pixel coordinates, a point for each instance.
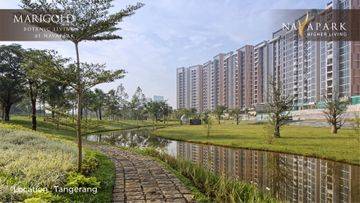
(66, 127)
(42, 162)
(311, 141)
(207, 186)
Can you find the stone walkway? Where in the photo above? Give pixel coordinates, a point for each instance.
(141, 179)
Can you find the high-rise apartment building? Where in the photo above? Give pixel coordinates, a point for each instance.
(260, 72)
(244, 78)
(231, 65)
(181, 88)
(195, 87)
(308, 70)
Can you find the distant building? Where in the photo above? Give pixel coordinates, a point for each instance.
(158, 98)
(308, 70)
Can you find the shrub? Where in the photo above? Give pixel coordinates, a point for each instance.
(79, 180)
(29, 159)
(44, 196)
(90, 163)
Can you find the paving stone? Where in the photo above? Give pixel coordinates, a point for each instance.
(140, 179)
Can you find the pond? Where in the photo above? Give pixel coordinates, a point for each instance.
(289, 177)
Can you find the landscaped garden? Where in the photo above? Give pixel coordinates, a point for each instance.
(39, 167)
(304, 140)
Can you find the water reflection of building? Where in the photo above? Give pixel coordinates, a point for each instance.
(290, 177)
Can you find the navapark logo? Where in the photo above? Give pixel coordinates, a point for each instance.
(19, 25)
(326, 25)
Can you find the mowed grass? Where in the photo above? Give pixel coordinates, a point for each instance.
(66, 128)
(310, 141)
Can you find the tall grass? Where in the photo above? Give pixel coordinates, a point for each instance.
(217, 188)
(30, 160)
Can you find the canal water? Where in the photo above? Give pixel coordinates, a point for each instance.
(292, 178)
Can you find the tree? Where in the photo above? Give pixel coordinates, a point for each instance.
(96, 102)
(334, 113)
(32, 60)
(165, 110)
(137, 103)
(12, 78)
(154, 109)
(219, 111)
(122, 98)
(356, 126)
(236, 112)
(92, 22)
(206, 118)
(53, 93)
(279, 107)
(91, 75)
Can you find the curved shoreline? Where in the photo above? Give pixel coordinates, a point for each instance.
(259, 149)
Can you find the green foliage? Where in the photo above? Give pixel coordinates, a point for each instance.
(356, 126)
(29, 159)
(11, 77)
(93, 21)
(219, 111)
(90, 163)
(217, 188)
(79, 180)
(335, 109)
(44, 196)
(157, 109)
(206, 118)
(236, 112)
(35, 159)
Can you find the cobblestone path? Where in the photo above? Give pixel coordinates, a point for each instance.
(141, 179)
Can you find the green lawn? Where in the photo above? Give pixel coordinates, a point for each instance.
(66, 129)
(311, 141)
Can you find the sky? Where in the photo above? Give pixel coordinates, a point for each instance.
(167, 34)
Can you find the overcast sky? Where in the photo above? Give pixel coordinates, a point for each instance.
(166, 34)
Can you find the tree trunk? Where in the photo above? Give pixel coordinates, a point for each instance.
(334, 129)
(7, 112)
(277, 131)
(100, 115)
(219, 120)
(33, 111)
(79, 108)
(32, 86)
(237, 120)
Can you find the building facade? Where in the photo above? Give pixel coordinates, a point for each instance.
(308, 70)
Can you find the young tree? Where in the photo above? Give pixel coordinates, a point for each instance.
(153, 108)
(137, 103)
(356, 125)
(279, 107)
(236, 112)
(91, 75)
(112, 104)
(206, 118)
(165, 110)
(122, 98)
(92, 22)
(12, 77)
(334, 113)
(219, 111)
